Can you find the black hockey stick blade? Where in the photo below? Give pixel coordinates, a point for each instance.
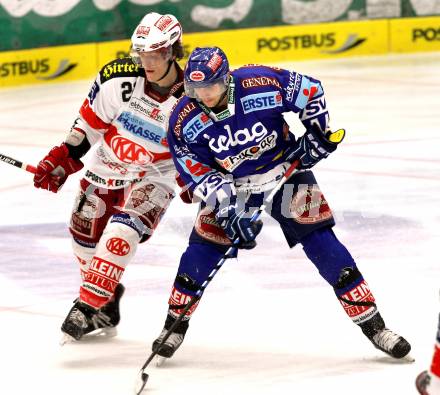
(141, 382)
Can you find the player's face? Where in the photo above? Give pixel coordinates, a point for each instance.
(155, 63)
(210, 95)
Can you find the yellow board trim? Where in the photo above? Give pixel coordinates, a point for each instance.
(243, 46)
(47, 65)
(415, 34)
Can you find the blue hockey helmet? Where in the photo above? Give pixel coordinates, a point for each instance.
(206, 67)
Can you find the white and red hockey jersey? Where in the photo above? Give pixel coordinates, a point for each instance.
(127, 122)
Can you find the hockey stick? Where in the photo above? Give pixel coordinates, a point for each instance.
(17, 163)
(31, 169)
(143, 376)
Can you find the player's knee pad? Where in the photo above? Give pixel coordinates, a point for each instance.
(195, 266)
(119, 240)
(88, 223)
(327, 253)
(84, 253)
(115, 249)
(148, 202)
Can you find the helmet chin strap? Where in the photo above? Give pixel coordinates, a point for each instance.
(220, 99)
(170, 63)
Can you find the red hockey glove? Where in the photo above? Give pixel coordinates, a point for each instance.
(54, 169)
(186, 194)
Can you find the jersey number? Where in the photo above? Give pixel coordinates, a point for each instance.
(127, 89)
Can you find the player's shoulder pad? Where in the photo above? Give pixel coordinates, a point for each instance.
(123, 67)
(185, 109)
(259, 68)
(254, 76)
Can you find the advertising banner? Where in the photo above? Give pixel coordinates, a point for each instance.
(46, 65)
(289, 43)
(244, 46)
(31, 24)
(415, 34)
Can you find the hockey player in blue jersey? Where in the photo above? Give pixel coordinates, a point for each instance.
(231, 145)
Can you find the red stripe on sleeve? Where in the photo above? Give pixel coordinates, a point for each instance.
(91, 118)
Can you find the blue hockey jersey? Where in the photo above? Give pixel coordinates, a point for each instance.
(250, 136)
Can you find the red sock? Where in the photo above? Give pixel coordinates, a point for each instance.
(435, 366)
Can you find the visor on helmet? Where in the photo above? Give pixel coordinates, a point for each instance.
(192, 86)
(152, 57)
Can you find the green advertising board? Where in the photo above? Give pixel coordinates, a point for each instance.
(30, 24)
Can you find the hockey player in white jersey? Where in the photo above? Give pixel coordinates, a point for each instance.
(130, 179)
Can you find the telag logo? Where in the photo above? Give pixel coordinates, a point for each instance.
(240, 137)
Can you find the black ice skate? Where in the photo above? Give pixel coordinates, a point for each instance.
(83, 319)
(422, 382)
(169, 347)
(111, 309)
(385, 339)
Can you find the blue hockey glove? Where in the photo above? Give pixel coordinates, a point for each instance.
(237, 224)
(314, 146)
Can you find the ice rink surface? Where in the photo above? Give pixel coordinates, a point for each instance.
(268, 323)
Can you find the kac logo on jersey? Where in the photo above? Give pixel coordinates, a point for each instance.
(129, 152)
(195, 126)
(118, 246)
(261, 101)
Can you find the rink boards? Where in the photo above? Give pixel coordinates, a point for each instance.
(243, 46)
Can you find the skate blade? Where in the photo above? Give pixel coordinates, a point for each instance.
(66, 339)
(408, 359)
(102, 332)
(160, 360)
(108, 332)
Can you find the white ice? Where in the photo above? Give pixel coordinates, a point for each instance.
(268, 323)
